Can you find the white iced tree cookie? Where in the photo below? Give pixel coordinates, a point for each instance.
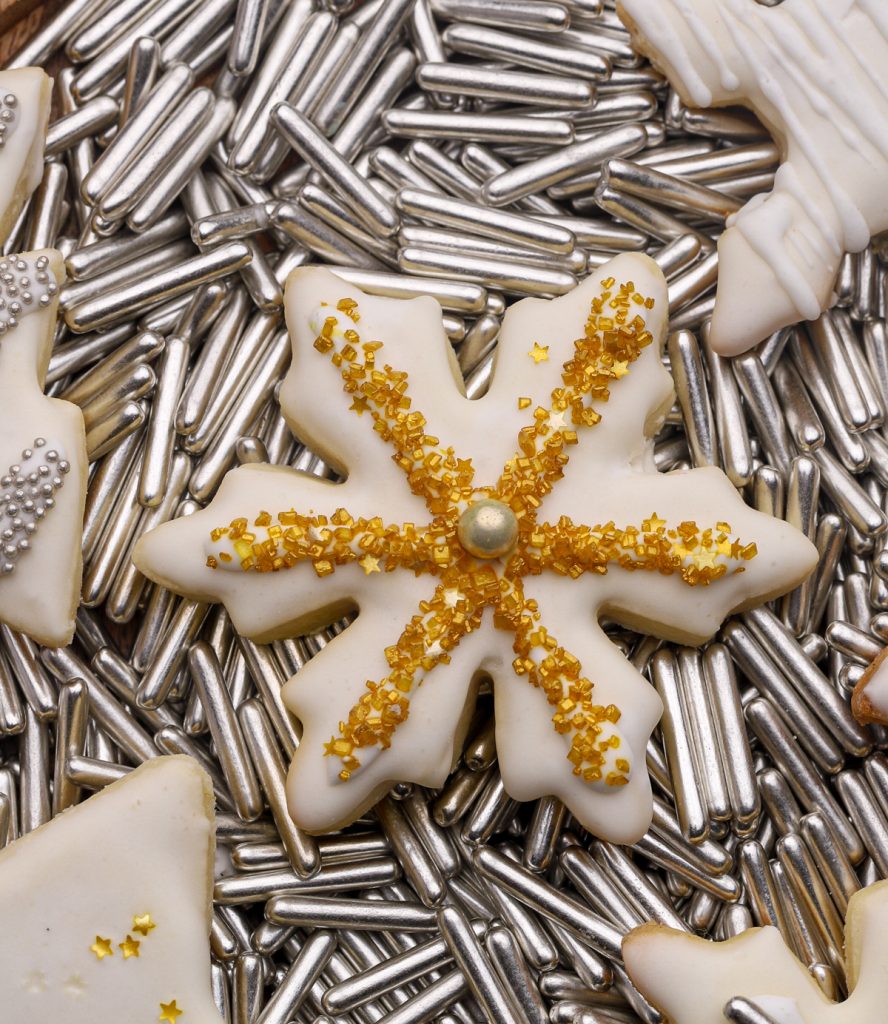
(477, 538)
(24, 112)
(690, 980)
(43, 460)
(105, 910)
(814, 72)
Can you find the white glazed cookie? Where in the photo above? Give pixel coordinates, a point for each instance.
(43, 460)
(814, 72)
(869, 701)
(690, 980)
(24, 112)
(105, 910)
(433, 479)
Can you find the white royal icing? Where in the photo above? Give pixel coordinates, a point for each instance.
(814, 71)
(609, 476)
(780, 1009)
(690, 980)
(24, 112)
(40, 583)
(104, 911)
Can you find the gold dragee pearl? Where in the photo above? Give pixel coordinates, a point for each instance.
(488, 529)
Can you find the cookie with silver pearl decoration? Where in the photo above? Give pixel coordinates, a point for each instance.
(43, 444)
(25, 95)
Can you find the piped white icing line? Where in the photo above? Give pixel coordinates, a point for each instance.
(813, 70)
(610, 477)
(104, 911)
(41, 595)
(24, 112)
(690, 980)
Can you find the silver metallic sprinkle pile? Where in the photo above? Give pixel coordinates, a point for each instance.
(205, 149)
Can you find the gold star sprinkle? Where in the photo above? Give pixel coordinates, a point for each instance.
(170, 1012)
(556, 421)
(539, 353)
(704, 559)
(102, 948)
(143, 924)
(130, 947)
(75, 985)
(35, 982)
(369, 564)
(359, 405)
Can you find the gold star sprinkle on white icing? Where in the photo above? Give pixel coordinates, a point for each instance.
(102, 948)
(691, 980)
(814, 72)
(74, 985)
(35, 982)
(143, 924)
(170, 1012)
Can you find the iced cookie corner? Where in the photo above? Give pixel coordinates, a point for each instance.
(691, 980)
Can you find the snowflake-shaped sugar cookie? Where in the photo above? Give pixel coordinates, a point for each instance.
(814, 72)
(691, 980)
(105, 910)
(477, 539)
(42, 459)
(24, 111)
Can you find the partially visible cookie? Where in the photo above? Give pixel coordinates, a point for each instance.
(104, 911)
(691, 980)
(814, 74)
(24, 111)
(43, 461)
